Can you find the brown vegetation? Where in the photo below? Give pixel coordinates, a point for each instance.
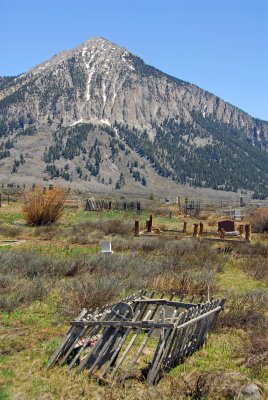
(44, 207)
(259, 220)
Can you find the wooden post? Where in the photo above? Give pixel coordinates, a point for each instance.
(222, 233)
(248, 232)
(201, 228)
(195, 230)
(0, 200)
(241, 229)
(8, 199)
(170, 214)
(147, 225)
(184, 227)
(137, 228)
(150, 224)
(110, 205)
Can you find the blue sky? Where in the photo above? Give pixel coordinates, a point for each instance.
(220, 45)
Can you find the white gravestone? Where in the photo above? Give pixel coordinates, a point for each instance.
(237, 215)
(106, 247)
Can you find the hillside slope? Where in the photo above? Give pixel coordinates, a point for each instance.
(181, 131)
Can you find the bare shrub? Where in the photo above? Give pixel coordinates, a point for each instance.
(113, 226)
(187, 282)
(85, 233)
(47, 232)
(245, 310)
(20, 292)
(259, 221)
(44, 207)
(86, 291)
(139, 244)
(256, 249)
(102, 227)
(10, 231)
(30, 264)
(257, 267)
(256, 351)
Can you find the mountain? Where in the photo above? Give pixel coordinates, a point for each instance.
(100, 115)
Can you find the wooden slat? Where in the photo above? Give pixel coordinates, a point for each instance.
(105, 347)
(60, 349)
(156, 363)
(166, 303)
(125, 324)
(133, 339)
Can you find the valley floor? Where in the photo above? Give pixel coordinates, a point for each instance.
(48, 274)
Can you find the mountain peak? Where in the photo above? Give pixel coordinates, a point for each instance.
(172, 122)
(95, 47)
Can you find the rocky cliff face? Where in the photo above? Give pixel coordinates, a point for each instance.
(99, 82)
(102, 81)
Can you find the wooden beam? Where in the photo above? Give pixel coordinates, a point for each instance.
(166, 302)
(125, 324)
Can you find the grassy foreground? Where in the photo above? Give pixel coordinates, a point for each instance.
(47, 274)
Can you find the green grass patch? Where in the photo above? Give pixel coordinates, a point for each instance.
(232, 278)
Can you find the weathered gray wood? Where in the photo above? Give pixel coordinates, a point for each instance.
(132, 341)
(125, 324)
(93, 333)
(165, 302)
(118, 308)
(119, 348)
(62, 346)
(156, 363)
(180, 334)
(108, 345)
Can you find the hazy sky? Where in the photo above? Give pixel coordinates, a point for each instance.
(220, 45)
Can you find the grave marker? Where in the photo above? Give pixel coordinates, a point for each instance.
(226, 225)
(106, 247)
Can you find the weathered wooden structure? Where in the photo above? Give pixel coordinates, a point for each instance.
(193, 208)
(141, 337)
(97, 205)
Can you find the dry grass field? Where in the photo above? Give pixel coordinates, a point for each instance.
(49, 273)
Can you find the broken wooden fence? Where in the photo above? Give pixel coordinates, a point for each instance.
(97, 205)
(141, 337)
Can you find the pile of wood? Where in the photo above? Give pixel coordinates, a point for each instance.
(141, 337)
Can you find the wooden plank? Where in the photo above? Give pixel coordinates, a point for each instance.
(132, 341)
(166, 303)
(170, 356)
(108, 345)
(156, 363)
(93, 333)
(125, 324)
(109, 331)
(186, 336)
(62, 346)
(89, 331)
(119, 347)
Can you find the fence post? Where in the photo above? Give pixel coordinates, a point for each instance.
(150, 224)
(0, 200)
(201, 228)
(8, 199)
(137, 228)
(248, 232)
(195, 230)
(241, 229)
(184, 227)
